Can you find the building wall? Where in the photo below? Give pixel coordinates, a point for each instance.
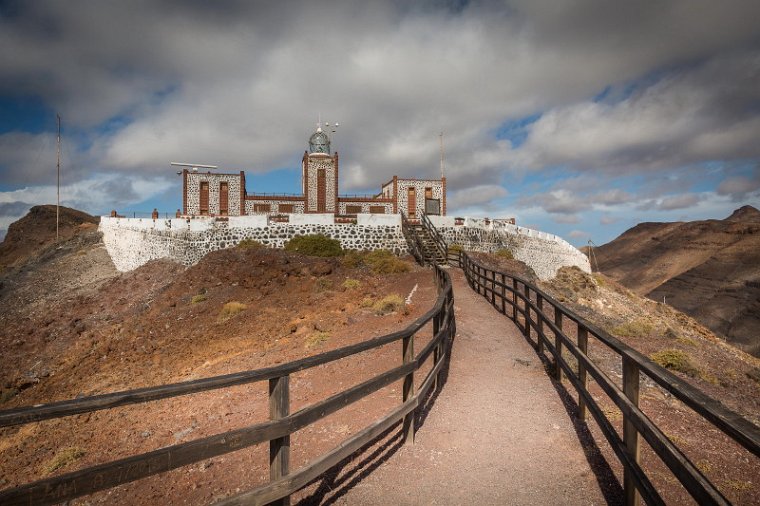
(365, 205)
(419, 185)
(298, 206)
(330, 165)
(193, 192)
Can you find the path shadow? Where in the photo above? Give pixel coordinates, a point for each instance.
(349, 472)
(608, 483)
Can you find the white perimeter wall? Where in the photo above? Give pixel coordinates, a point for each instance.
(133, 242)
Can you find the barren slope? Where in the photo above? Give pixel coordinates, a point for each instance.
(707, 269)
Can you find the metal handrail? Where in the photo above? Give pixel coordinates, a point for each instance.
(440, 241)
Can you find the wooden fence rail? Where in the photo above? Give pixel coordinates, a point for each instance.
(514, 297)
(276, 431)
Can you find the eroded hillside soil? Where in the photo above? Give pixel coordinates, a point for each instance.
(70, 325)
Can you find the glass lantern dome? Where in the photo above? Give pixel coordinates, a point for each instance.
(319, 142)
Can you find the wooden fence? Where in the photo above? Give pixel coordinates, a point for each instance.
(276, 431)
(515, 297)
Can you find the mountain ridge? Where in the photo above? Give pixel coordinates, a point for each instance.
(709, 269)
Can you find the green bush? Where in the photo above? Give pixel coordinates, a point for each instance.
(352, 259)
(315, 245)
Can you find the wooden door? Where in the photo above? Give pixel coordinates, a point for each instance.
(321, 191)
(224, 199)
(412, 203)
(204, 197)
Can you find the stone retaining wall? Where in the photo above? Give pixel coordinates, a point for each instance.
(133, 242)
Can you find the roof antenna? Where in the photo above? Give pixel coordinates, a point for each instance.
(441, 136)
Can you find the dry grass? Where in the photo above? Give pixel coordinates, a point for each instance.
(505, 253)
(63, 458)
(389, 304)
(350, 284)
(317, 339)
(231, 309)
(367, 302)
(323, 285)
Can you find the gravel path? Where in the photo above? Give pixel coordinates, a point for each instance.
(498, 432)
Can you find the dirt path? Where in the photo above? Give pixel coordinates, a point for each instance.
(498, 433)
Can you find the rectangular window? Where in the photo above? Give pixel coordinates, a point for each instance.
(204, 197)
(377, 209)
(224, 199)
(353, 209)
(261, 208)
(428, 193)
(285, 208)
(433, 206)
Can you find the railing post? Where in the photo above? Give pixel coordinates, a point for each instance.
(526, 290)
(408, 391)
(582, 377)
(503, 294)
(279, 449)
(630, 434)
(540, 302)
(514, 300)
(558, 344)
(493, 288)
(437, 349)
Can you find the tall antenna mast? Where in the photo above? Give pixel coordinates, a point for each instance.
(441, 136)
(58, 170)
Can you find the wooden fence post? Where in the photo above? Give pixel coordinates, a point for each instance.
(514, 300)
(493, 288)
(540, 301)
(503, 294)
(630, 434)
(279, 449)
(583, 346)
(558, 344)
(437, 349)
(527, 310)
(408, 391)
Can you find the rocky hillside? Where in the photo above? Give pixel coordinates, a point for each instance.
(36, 230)
(708, 269)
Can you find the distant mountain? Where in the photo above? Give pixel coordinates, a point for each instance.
(708, 269)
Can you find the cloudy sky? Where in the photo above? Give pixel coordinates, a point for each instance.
(579, 118)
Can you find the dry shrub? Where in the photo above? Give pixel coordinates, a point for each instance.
(675, 360)
(250, 244)
(231, 309)
(198, 298)
(317, 339)
(350, 284)
(633, 328)
(505, 254)
(389, 304)
(381, 261)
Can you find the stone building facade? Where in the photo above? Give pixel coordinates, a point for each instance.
(217, 194)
